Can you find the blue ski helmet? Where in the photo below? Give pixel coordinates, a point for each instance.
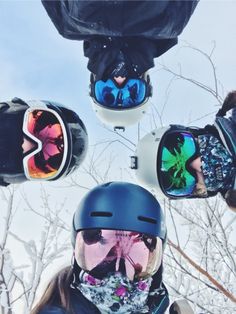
(120, 206)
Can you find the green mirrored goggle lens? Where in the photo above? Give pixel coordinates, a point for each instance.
(177, 149)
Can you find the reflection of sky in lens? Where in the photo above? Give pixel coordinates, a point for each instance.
(108, 94)
(118, 245)
(181, 181)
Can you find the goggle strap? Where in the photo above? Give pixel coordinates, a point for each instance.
(36, 104)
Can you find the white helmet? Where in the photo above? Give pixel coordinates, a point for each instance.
(163, 160)
(145, 160)
(113, 113)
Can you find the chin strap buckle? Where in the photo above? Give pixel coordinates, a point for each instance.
(119, 128)
(134, 162)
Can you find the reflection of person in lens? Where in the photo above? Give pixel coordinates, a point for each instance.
(109, 287)
(174, 176)
(48, 158)
(109, 99)
(118, 254)
(133, 93)
(175, 143)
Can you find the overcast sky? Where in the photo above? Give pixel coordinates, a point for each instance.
(37, 63)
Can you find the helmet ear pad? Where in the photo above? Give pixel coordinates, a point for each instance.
(149, 90)
(92, 80)
(146, 77)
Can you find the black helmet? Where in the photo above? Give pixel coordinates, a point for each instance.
(78, 134)
(120, 206)
(71, 145)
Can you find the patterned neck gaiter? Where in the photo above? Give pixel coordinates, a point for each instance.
(115, 293)
(217, 164)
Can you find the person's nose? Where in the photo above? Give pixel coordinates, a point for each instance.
(196, 164)
(119, 80)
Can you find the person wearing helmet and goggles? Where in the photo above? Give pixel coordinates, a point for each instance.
(39, 140)
(191, 162)
(118, 245)
(120, 101)
(121, 43)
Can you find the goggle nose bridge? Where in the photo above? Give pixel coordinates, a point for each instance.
(37, 149)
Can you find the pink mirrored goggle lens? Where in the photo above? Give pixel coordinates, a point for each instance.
(44, 126)
(134, 254)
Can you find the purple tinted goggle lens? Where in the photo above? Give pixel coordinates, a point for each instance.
(134, 254)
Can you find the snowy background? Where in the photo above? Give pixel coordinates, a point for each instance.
(35, 219)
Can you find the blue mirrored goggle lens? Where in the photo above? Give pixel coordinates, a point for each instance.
(131, 95)
(177, 149)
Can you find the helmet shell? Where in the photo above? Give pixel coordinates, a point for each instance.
(77, 137)
(120, 206)
(146, 153)
(118, 118)
(75, 128)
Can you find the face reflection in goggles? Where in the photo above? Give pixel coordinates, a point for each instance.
(132, 94)
(46, 128)
(176, 176)
(133, 254)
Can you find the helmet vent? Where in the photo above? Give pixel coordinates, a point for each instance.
(147, 219)
(101, 214)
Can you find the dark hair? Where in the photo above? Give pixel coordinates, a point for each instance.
(43, 120)
(230, 198)
(229, 103)
(58, 292)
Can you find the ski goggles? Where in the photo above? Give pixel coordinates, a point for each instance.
(44, 127)
(128, 95)
(176, 152)
(135, 255)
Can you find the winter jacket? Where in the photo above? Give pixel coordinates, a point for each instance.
(142, 30)
(52, 310)
(79, 303)
(83, 306)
